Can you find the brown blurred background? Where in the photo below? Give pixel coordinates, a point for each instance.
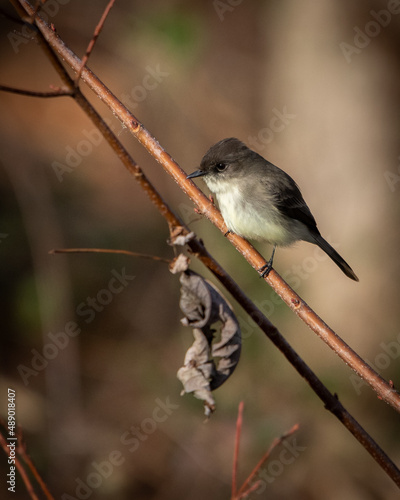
(276, 75)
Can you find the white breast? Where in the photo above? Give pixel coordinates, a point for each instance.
(245, 218)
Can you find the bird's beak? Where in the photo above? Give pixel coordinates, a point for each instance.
(196, 173)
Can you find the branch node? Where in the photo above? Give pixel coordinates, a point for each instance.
(135, 125)
(296, 303)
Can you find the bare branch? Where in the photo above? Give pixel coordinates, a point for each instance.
(245, 488)
(32, 93)
(92, 42)
(105, 250)
(239, 423)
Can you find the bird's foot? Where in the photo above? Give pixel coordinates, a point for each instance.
(265, 270)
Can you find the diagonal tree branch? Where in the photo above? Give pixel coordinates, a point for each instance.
(27, 459)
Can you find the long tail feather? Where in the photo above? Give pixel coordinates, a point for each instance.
(337, 259)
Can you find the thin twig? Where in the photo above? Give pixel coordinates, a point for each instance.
(105, 250)
(27, 459)
(92, 42)
(244, 490)
(38, 6)
(33, 93)
(236, 451)
(249, 490)
(19, 466)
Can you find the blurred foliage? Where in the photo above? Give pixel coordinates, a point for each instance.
(177, 29)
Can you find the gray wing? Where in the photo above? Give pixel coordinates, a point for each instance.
(288, 198)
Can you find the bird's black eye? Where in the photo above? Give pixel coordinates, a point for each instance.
(221, 167)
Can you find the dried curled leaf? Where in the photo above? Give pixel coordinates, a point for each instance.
(179, 264)
(207, 363)
(180, 236)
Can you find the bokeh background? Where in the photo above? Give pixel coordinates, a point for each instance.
(314, 87)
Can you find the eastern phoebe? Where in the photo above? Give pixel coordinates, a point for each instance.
(260, 201)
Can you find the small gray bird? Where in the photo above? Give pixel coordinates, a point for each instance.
(260, 201)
